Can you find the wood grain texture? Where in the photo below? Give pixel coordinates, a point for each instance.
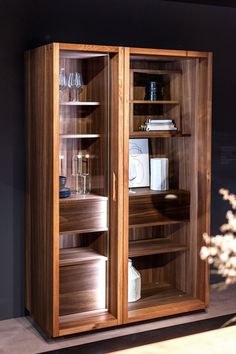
(153, 246)
(156, 295)
(86, 321)
(171, 308)
(72, 256)
(42, 190)
(83, 286)
(168, 54)
(126, 118)
(83, 215)
(204, 168)
(116, 180)
(162, 134)
(88, 48)
(148, 207)
(162, 235)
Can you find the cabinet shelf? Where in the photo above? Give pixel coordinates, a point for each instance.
(157, 134)
(85, 321)
(173, 102)
(72, 256)
(170, 194)
(154, 246)
(81, 197)
(79, 136)
(156, 295)
(79, 103)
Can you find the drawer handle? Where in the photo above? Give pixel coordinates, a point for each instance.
(114, 187)
(171, 196)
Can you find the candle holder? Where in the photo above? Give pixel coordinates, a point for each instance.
(61, 157)
(76, 164)
(84, 173)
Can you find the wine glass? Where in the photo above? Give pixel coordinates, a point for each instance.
(62, 83)
(72, 86)
(78, 84)
(132, 173)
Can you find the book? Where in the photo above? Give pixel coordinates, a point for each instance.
(153, 127)
(158, 121)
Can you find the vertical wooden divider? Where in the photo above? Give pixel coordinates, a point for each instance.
(55, 88)
(126, 179)
(117, 185)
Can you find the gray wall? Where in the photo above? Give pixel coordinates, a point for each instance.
(143, 23)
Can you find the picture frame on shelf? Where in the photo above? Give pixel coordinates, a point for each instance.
(139, 163)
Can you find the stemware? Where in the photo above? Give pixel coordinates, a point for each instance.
(132, 173)
(78, 84)
(72, 87)
(62, 83)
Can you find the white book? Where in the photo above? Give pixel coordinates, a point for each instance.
(158, 121)
(157, 128)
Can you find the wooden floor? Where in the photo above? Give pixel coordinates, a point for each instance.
(19, 336)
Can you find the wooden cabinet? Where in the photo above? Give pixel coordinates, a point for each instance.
(77, 248)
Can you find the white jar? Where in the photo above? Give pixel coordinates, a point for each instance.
(134, 283)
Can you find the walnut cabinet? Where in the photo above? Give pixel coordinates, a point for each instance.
(77, 248)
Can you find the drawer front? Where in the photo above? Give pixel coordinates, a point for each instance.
(83, 287)
(157, 209)
(86, 215)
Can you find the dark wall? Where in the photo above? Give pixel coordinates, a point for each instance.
(143, 23)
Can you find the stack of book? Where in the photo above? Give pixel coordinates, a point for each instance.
(158, 124)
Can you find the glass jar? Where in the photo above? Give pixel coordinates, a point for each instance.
(134, 283)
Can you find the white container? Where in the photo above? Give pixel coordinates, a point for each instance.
(159, 174)
(134, 283)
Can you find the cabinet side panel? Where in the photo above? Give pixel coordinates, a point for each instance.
(41, 189)
(204, 169)
(27, 187)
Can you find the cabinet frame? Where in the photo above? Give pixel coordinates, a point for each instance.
(42, 186)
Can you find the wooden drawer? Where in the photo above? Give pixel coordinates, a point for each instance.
(83, 215)
(155, 208)
(83, 287)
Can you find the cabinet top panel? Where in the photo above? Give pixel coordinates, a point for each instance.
(88, 47)
(136, 51)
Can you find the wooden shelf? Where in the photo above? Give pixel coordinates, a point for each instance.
(155, 71)
(154, 295)
(79, 103)
(79, 136)
(153, 246)
(85, 321)
(154, 102)
(81, 197)
(170, 194)
(157, 134)
(72, 256)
